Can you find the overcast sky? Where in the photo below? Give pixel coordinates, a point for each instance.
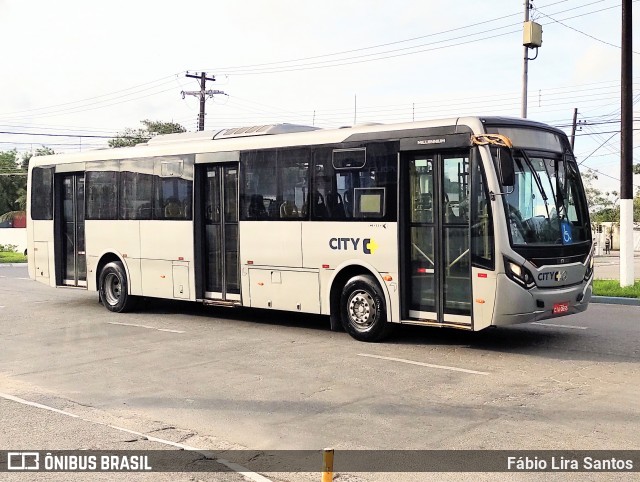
(81, 68)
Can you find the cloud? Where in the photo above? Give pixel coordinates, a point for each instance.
(597, 63)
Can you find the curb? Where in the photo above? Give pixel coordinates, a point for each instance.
(612, 300)
(12, 265)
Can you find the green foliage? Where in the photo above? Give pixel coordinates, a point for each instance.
(603, 206)
(131, 137)
(13, 178)
(12, 257)
(8, 248)
(608, 287)
(606, 215)
(41, 151)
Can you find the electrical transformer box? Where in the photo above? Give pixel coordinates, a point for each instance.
(532, 35)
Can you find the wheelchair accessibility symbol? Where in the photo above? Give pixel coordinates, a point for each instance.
(567, 238)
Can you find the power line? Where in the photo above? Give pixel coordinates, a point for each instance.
(580, 31)
(49, 134)
(262, 69)
(35, 109)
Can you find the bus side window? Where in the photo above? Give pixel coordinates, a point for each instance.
(172, 198)
(136, 195)
(259, 185)
(102, 194)
(42, 193)
(482, 249)
(357, 183)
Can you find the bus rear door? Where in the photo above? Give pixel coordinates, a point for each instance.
(220, 226)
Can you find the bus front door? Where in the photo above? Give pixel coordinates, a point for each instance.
(73, 263)
(221, 274)
(437, 270)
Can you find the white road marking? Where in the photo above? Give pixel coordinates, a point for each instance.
(37, 405)
(1, 306)
(145, 326)
(411, 362)
(28, 279)
(255, 477)
(559, 326)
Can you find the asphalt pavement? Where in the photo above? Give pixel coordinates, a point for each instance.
(220, 379)
(608, 266)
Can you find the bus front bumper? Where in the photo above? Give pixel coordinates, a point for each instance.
(514, 304)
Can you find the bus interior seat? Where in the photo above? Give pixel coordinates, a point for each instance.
(256, 207)
(335, 205)
(288, 210)
(348, 204)
(273, 211)
(319, 207)
(144, 211)
(173, 208)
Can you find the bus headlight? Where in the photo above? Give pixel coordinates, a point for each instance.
(519, 274)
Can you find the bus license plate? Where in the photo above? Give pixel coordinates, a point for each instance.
(559, 308)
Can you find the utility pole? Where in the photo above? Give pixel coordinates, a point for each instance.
(525, 69)
(573, 128)
(626, 150)
(355, 108)
(531, 38)
(202, 94)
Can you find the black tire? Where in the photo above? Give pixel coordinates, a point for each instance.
(362, 309)
(114, 288)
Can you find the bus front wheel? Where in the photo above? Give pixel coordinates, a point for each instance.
(363, 311)
(114, 291)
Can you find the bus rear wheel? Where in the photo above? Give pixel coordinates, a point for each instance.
(114, 290)
(363, 311)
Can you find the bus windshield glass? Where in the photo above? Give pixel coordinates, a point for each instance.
(547, 205)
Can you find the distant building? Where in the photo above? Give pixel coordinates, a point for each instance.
(611, 231)
(13, 230)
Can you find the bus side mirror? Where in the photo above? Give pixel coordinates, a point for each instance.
(506, 167)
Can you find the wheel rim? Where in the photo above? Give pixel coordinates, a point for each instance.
(112, 289)
(362, 310)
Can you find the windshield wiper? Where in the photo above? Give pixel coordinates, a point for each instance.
(538, 181)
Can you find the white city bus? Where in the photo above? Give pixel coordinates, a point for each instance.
(464, 222)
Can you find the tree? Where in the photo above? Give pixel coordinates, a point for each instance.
(21, 200)
(131, 137)
(12, 178)
(603, 206)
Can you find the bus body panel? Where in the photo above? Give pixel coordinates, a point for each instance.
(483, 292)
(284, 289)
(40, 243)
(293, 264)
(389, 287)
(121, 238)
(165, 245)
(271, 243)
(332, 246)
(334, 242)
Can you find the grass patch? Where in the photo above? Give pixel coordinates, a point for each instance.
(610, 287)
(12, 258)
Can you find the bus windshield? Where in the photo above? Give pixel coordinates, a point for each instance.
(547, 205)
